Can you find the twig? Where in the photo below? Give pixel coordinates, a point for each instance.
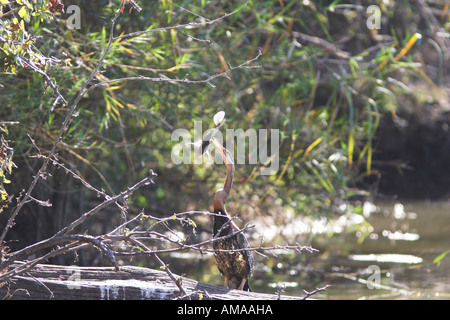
(96, 242)
(145, 235)
(26, 266)
(183, 247)
(185, 80)
(123, 225)
(200, 247)
(62, 236)
(59, 96)
(191, 25)
(174, 216)
(317, 290)
(67, 170)
(199, 293)
(49, 243)
(42, 284)
(107, 202)
(330, 47)
(163, 265)
(41, 202)
(55, 241)
(281, 290)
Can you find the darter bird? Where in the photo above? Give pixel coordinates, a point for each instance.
(237, 265)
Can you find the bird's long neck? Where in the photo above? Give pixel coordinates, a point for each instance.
(222, 223)
(229, 178)
(222, 194)
(221, 197)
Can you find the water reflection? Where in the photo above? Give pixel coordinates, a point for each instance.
(399, 235)
(404, 240)
(387, 258)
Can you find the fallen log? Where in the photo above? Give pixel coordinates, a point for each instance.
(129, 283)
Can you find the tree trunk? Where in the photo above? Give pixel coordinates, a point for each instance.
(130, 283)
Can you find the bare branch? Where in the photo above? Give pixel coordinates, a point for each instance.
(163, 265)
(62, 236)
(109, 200)
(49, 243)
(28, 265)
(317, 290)
(185, 80)
(330, 47)
(200, 247)
(191, 25)
(281, 290)
(73, 174)
(59, 96)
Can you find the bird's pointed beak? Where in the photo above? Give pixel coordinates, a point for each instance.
(227, 158)
(219, 147)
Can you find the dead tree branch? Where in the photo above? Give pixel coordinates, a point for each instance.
(191, 25)
(47, 79)
(317, 290)
(245, 64)
(62, 236)
(109, 200)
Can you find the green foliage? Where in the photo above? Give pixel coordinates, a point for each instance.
(6, 164)
(15, 39)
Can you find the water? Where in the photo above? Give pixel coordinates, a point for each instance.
(391, 258)
(388, 254)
